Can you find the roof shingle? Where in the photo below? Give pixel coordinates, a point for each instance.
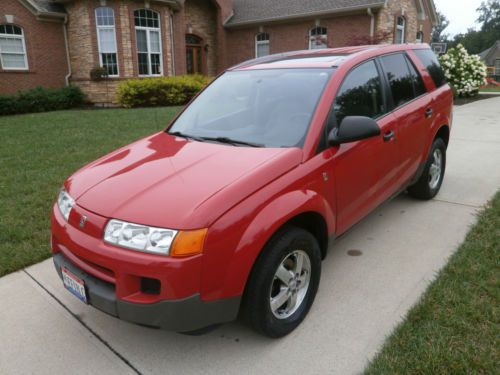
(250, 11)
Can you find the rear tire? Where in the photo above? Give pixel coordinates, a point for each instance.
(283, 282)
(430, 181)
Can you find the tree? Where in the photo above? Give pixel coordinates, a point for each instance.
(476, 41)
(437, 32)
(489, 17)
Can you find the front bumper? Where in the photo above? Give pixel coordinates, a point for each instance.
(182, 315)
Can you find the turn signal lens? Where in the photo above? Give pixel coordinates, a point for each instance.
(188, 243)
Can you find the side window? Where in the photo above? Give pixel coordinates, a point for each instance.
(400, 80)
(431, 63)
(360, 93)
(418, 82)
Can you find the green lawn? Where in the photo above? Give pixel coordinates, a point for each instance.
(490, 89)
(455, 328)
(38, 152)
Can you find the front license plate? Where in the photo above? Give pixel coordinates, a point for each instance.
(74, 284)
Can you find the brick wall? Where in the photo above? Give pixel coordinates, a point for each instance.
(45, 51)
(83, 43)
(285, 37)
(202, 16)
(386, 19)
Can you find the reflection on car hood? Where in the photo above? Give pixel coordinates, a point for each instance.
(171, 182)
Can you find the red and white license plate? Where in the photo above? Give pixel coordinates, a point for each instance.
(74, 284)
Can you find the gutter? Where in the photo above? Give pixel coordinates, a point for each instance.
(66, 45)
(172, 43)
(372, 22)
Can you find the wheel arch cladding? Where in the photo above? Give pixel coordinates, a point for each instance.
(443, 133)
(302, 208)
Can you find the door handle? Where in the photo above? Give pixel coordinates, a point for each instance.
(428, 112)
(389, 135)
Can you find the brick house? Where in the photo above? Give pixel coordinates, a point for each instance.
(51, 43)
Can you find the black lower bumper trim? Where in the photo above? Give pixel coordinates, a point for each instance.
(183, 315)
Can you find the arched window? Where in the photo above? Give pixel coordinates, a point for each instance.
(261, 44)
(106, 40)
(318, 38)
(420, 37)
(400, 30)
(12, 48)
(148, 38)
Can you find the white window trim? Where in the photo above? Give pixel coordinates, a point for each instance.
(311, 37)
(260, 43)
(107, 27)
(421, 39)
(24, 53)
(402, 28)
(148, 41)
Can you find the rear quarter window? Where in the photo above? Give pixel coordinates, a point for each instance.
(431, 63)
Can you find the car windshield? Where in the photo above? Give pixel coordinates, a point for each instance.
(267, 108)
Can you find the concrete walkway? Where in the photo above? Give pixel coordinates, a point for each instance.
(45, 330)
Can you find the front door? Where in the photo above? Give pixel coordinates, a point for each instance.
(366, 172)
(194, 55)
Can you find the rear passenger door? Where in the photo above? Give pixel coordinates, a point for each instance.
(413, 111)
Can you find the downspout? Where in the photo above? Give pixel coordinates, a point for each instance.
(172, 44)
(66, 44)
(372, 22)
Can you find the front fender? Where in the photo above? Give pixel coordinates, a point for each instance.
(233, 255)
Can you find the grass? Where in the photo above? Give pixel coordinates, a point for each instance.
(490, 89)
(38, 152)
(455, 328)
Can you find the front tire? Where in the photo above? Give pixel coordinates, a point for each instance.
(283, 282)
(430, 181)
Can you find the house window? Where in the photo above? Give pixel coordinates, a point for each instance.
(497, 67)
(262, 44)
(148, 37)
(12, 48)
(318, 38)
(420, 37)
(400, 30)
(106, 40)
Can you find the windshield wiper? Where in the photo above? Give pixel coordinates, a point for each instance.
(182, 135)
(231, 141)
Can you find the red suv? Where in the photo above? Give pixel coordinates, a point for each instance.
(233, 207)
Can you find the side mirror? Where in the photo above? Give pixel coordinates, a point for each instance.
(353, 128)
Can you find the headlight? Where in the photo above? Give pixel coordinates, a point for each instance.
(139, 237)
(65, 203)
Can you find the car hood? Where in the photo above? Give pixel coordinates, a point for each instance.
(171, 182)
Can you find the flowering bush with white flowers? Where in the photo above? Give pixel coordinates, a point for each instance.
(465, 73)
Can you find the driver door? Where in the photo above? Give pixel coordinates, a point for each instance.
(366, 171)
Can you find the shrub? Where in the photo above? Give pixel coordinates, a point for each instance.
(161, 91)
(98, 73)
(465, 73)
(41, 100)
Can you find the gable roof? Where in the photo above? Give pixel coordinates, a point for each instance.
(485, 54)
(254, 11)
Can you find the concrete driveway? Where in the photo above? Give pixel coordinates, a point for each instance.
(44, 329)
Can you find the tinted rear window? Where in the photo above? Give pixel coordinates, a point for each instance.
(399, 77)
(431, 63)
(418, 82)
